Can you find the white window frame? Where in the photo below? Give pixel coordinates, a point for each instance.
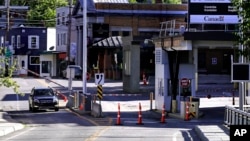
(13, 41)
(18, 41)
(30, 60)
(33, 41)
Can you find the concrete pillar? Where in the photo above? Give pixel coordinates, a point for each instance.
(195, 62)
(131, 74)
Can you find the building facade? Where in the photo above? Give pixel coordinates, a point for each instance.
(205, 46)
(34, 50)
(62, 34)
(114, 21)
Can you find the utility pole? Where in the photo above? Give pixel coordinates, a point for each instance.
(6, 42)
(69, 31)
(69, 43)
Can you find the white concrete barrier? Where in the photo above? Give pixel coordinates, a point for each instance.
(96, 110)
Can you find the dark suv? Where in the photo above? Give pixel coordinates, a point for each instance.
(42, 99)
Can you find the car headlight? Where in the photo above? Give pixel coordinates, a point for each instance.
(36, 100)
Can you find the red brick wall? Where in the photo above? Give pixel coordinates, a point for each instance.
(141, 21)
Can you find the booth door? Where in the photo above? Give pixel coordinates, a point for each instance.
(46, 68)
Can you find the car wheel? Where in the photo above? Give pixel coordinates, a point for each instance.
(33, 109)
(56, 109)
(30, 108)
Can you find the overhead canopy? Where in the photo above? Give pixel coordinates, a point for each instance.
(110, 42)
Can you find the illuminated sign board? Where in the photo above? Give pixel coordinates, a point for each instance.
(212, 11)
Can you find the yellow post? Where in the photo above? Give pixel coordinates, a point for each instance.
(190, 99)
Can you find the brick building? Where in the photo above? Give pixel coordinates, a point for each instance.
(111, 24)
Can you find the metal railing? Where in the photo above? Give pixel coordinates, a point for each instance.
(234, 116)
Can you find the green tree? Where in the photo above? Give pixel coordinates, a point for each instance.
(172, 1)
(7, 81)
(243, 36)
(45, 11)
(42, 12)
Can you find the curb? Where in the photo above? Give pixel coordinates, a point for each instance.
(6, 128)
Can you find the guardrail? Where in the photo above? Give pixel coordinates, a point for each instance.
(234, 116)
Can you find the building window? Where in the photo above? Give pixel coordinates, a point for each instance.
(34, 60)
(33, 42)
(127, 62)
(63, 18)
(18, 41)
(125, 33)
(115, 33)
(64, 39)
(58, 18)
(58, 39)
(13, 41)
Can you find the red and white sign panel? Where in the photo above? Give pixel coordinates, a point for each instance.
(185, 82)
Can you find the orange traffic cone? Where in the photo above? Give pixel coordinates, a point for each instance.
(163, 114)
(139, 116)
(118, 121)
(144, 79)
(187, 112)
(65, 98)
(81, 107)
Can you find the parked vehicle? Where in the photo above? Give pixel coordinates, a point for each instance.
(43, 99)
(78, 72)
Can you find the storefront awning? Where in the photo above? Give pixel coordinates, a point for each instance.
(110, 42)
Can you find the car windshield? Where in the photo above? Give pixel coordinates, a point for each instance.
(43, 92)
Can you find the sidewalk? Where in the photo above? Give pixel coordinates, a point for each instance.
(8, 125)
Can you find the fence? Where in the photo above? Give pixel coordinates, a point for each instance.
(234, 116)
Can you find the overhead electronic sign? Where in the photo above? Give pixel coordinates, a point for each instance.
(212, 11)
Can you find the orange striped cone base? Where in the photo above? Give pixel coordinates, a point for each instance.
(139, 116)
(163, 115)
(118, 120)
(187, 112)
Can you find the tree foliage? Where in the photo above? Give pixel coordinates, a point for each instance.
(7, 81)
(41, 12)
(243, 36)
(45, 11)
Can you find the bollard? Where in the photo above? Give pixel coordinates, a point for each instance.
(151, 100)
(144, 79)
(75, 100)
(233, 98)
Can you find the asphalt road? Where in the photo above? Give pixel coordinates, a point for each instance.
(65, 125)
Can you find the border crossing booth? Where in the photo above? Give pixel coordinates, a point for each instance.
(186, 84)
